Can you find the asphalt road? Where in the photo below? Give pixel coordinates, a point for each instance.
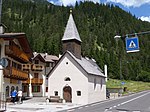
(139, 102)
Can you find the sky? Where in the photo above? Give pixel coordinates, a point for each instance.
(139, 8)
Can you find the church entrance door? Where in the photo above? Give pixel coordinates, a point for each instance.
(67, 93)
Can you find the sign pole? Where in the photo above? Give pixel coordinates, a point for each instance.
(1, 78)
(0, 11)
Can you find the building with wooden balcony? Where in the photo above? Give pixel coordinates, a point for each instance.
(37, 84)
(15, 48)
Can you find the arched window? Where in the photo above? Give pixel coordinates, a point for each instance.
(7, 91)
(12, 88)
(67, 79)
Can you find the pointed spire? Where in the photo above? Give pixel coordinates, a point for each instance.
(71, 31)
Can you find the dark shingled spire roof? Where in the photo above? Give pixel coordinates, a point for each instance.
(71, 31)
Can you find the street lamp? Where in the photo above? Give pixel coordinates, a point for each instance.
(117, 37)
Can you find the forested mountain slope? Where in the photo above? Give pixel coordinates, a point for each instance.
(44, 25)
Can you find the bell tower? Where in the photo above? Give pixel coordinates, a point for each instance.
(71, 39)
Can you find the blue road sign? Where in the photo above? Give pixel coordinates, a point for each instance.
(123, 83)
(132, 44)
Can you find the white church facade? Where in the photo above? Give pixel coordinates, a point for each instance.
(76, 79)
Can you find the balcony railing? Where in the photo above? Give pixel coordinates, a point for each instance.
(37, 67)
(14, 51)
(34, 81)
(15, 74)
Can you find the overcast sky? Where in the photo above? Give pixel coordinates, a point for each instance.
(139, 8)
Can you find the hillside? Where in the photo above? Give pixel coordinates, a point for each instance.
(131, 86)
(44, 25)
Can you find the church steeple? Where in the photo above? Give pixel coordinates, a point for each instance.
(71, 39)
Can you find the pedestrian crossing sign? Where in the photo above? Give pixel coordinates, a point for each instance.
(132, 44)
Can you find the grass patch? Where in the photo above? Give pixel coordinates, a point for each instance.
(132, 86)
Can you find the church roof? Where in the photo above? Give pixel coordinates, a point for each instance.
(71, 31)
(89, 65)
(21, 37)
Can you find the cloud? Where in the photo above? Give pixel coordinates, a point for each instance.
(59, 2)
(143, 18)
(69, 2)
(130, 3)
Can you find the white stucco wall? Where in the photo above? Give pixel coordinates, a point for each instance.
(79, 80)
(97, 91)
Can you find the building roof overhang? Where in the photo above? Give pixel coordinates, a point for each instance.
(21, 37)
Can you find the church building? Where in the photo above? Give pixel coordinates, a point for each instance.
(74, 78)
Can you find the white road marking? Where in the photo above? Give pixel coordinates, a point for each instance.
(94, 104)
(110, 107)
(134, 99)
(80, 107)
(127, 102)
(136, 111)
(115, 106)
(118, 105)
(105, 110)
(71, 110)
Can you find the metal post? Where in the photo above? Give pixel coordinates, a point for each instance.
(119, 56)
(120, 68)
(0, 11)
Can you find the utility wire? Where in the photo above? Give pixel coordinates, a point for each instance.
(134, 34)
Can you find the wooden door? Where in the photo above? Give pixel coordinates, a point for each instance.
(67, 94)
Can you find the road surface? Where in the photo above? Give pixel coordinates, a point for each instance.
(139, 102)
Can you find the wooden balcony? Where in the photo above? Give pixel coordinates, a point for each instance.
(26, 66)
(15, 74)
(15, 52)
(26, 81)
(37, 67)
(37, 81)
(34, 81)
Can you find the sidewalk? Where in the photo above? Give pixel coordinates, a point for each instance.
(38, 104)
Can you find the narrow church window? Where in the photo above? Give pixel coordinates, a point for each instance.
(78, 93)
(67, 79)
(101, 83)
(66, 63)
(94, 83)
(46, 89)
(56, 93)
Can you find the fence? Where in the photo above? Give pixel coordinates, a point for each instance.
(2, 102)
